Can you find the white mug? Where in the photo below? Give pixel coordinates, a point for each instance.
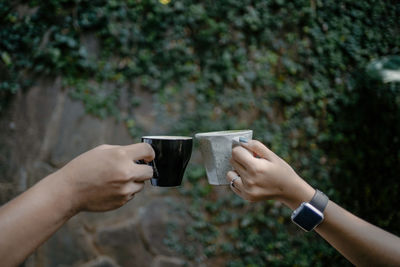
(216, 151)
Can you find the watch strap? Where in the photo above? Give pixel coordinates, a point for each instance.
(319, 200)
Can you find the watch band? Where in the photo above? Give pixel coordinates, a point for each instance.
(319, 200)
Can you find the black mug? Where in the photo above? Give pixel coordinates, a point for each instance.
(172, 156)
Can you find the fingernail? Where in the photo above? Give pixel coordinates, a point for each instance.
(243, 139)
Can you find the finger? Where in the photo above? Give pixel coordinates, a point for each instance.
(259, 149)
(239, 168)
(237, 183)
(137, 187)
(242, 156)
(229, 177)
(130, 189)
(140, 151)
(237, 191)
(141, 172)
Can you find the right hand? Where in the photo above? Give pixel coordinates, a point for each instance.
(266, 176)
(107, 176)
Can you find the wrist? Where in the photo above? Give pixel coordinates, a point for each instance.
(65, 195)
(299, 192)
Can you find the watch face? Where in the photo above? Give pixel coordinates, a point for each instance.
(307, 217)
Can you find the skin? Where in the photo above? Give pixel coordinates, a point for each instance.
(102, 179)
(267, 176)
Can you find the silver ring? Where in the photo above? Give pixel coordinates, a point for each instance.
(233, 180)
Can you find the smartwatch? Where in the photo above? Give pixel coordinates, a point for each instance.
(310, 214)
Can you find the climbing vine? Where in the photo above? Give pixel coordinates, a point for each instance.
(289, 70)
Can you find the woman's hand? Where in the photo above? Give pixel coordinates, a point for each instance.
(269, 177)
(263, 175)
(106, 177)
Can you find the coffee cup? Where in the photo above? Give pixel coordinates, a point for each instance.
(172, 154)
(216, 151)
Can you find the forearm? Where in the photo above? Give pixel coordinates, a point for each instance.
(31, 218)
(359, 241)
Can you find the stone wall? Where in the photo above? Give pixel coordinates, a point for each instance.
(43, 130)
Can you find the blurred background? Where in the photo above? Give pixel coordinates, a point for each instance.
(315, 80)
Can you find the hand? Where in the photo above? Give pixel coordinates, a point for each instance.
(266, 176)
(106, 177)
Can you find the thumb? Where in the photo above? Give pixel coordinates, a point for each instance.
(258, 149)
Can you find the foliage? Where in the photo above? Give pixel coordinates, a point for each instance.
(286, 69)
(364, 141)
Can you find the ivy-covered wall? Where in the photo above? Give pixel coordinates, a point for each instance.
(290, 70)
